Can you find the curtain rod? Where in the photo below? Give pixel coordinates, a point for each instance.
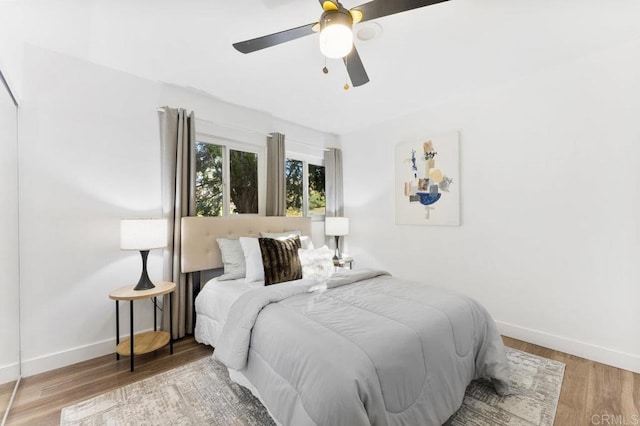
(247, 130)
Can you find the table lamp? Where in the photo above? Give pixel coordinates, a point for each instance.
(143, 235)
(336, 226)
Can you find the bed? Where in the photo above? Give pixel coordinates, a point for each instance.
(360, 348)
(202, 257)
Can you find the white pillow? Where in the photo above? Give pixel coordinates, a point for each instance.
(305, 240)
(306, 243)
(232, 258)
(317, 264)
(252, 259)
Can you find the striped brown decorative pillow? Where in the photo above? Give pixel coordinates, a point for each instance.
(280, 260)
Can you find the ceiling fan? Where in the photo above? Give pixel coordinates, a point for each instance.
(336, 36)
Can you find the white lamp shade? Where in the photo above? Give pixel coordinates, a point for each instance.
(336, 226)
(143, 234)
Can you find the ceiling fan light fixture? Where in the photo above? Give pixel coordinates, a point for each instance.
(336, 36)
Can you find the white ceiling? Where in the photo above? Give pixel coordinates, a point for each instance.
(422, 57)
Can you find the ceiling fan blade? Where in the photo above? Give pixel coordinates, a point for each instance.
(355, 68)
(378, 8)
(270, 40)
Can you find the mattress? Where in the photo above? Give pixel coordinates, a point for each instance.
(213, 304)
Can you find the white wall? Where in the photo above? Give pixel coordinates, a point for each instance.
(550, 235)
(10, 65)
(89, 155)
(9, 299)
(11, 32)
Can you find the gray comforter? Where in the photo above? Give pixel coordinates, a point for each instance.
(369, 349)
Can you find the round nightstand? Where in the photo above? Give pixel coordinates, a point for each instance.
(148, 341)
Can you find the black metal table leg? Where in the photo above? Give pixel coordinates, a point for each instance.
(155, 314)
(131, 338)
(170, 323)
(117, 328)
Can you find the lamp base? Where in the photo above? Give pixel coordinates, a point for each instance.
(144, 283)
(337, 255)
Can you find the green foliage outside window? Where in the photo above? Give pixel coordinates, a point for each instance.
(294, 184)
(208, 179)
(317, 198)
(243, 168)
(243, 181)
(294, 178)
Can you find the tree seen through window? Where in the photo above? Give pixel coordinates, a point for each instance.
(243, 168)
(243, 180)
(297, 181)
(294, 184)
(208, 179)
(317, 197)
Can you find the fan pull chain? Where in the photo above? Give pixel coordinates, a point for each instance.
(346, 74)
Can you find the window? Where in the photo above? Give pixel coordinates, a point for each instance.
(317, 198)
(305, 188)
(243, 176)
(295, 188)
(226, 179)
(208, 179)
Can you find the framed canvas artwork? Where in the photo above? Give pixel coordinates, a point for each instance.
(428, 181)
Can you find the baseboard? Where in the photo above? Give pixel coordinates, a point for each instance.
(9, 373)
(55, 360)
(596, 353)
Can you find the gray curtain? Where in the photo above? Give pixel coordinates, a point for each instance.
(276, 189)
(333, 182)
(178, 138)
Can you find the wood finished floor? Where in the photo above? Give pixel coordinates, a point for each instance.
(5, 395)
(589, 390)
(40, 398)
(592, 393)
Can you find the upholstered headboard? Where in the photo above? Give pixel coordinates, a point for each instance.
(200, 250)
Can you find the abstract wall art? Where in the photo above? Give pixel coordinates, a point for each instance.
(428, 181)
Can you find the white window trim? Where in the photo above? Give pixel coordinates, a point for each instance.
(228, 144)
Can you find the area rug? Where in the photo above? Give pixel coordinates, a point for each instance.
(201, 393)
(535, 390)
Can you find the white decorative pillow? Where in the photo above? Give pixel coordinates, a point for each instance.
(232, 258)
(317, 264)
(252, 259)
(305, 240)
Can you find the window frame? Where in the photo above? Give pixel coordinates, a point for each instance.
(227, 145)
(306, 160)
